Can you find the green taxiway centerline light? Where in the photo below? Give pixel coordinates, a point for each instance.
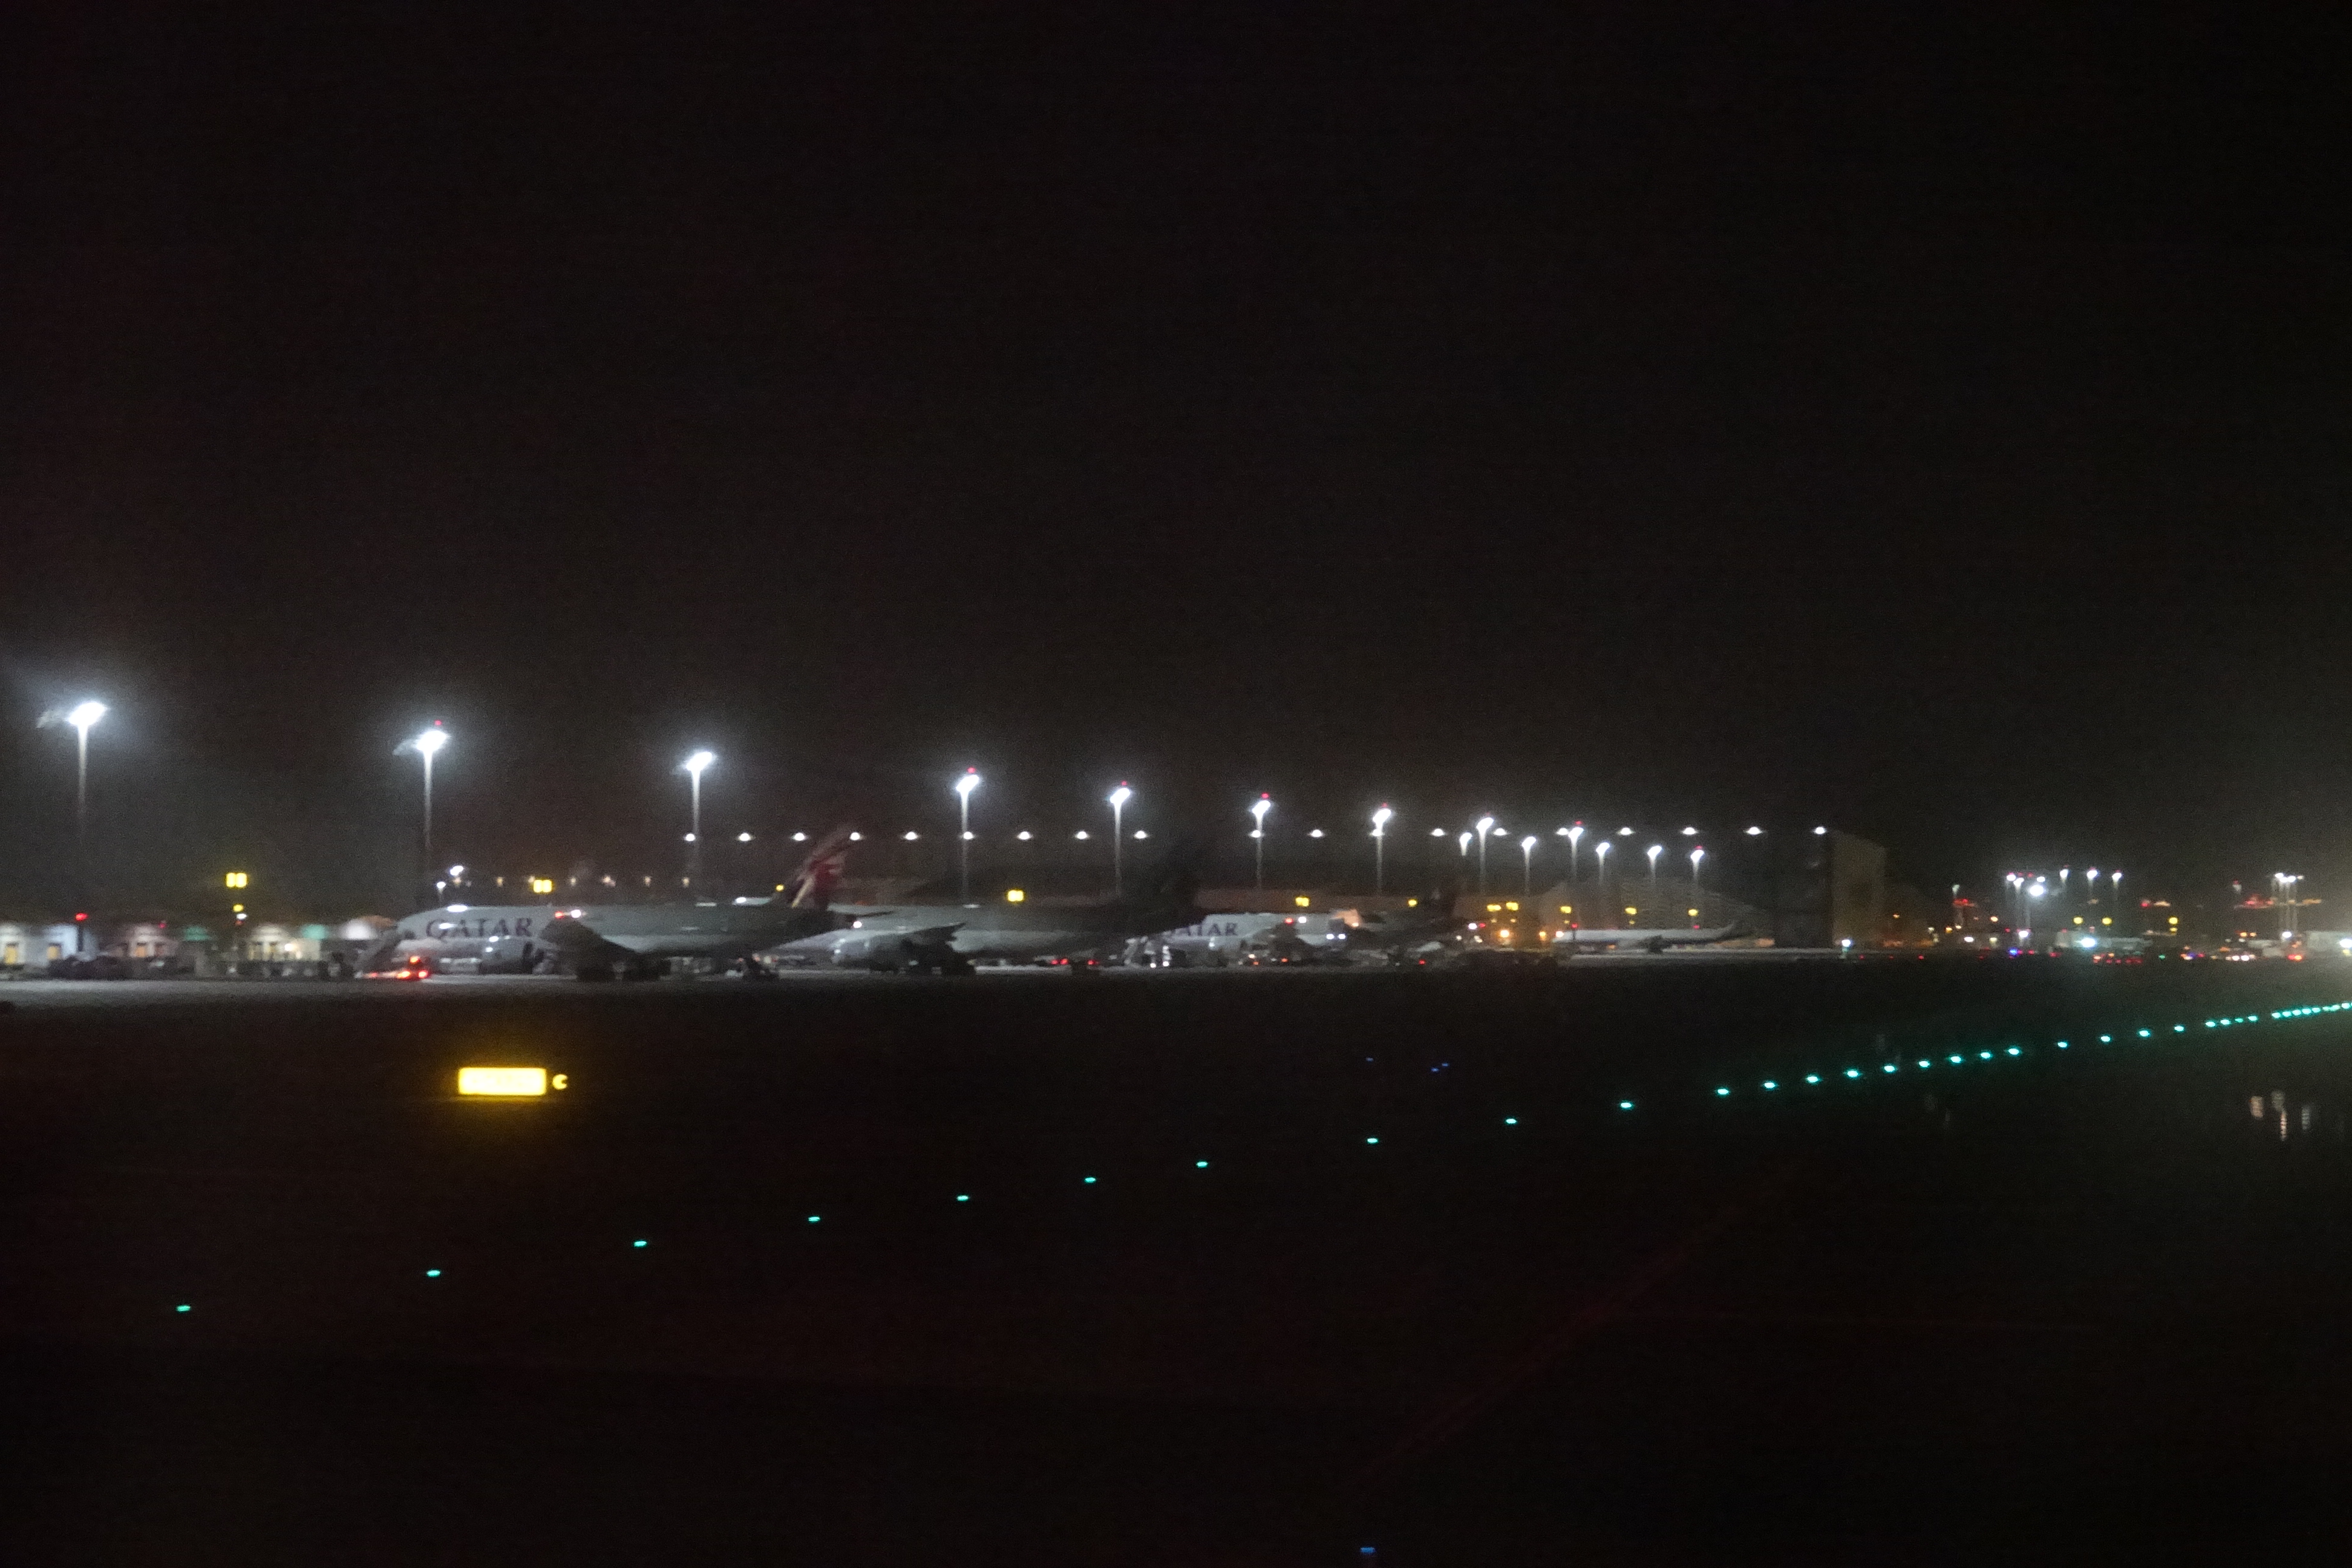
(1722, 1091)
(1200, 1164)
(1769, 1084)
(1896, 1066)
(1812, 1077)
(637, 1244)
(182, 1307)
(433, 1274)
(1511, 1121)
(1624, 1105)
(1853, 1072)
(1958, 1060)
(963, 1197)
(813, 1219)
(1090, 1181)
(2015, 1052)
(1372, 1140)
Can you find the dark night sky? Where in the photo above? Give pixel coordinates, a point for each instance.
(1935, 427)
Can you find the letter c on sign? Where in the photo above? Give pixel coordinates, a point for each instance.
(562, 1081)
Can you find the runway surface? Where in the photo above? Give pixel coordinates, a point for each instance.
(1641, 1263)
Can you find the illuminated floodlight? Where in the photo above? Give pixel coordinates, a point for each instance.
(1755, 833)
(503, 1083)
(1690, 833)
(969, 782)
(742, 838)
(1014, 894)
(698, 760)
(82, 715)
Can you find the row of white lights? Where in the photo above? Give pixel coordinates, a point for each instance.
(432, 739)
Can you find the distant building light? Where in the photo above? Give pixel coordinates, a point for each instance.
(799, 837)
(1314, 832)
(1081, 833)
(1301, 901)
(1023, 835)
(912, 836)
(1013, 895)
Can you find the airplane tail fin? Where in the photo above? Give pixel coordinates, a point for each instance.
(811, 885)
(1172, 879)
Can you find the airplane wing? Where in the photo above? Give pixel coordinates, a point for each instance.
(864, 945)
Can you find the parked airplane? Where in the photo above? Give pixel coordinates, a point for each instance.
(926, 935)
(597, 941)
(1656, 940)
